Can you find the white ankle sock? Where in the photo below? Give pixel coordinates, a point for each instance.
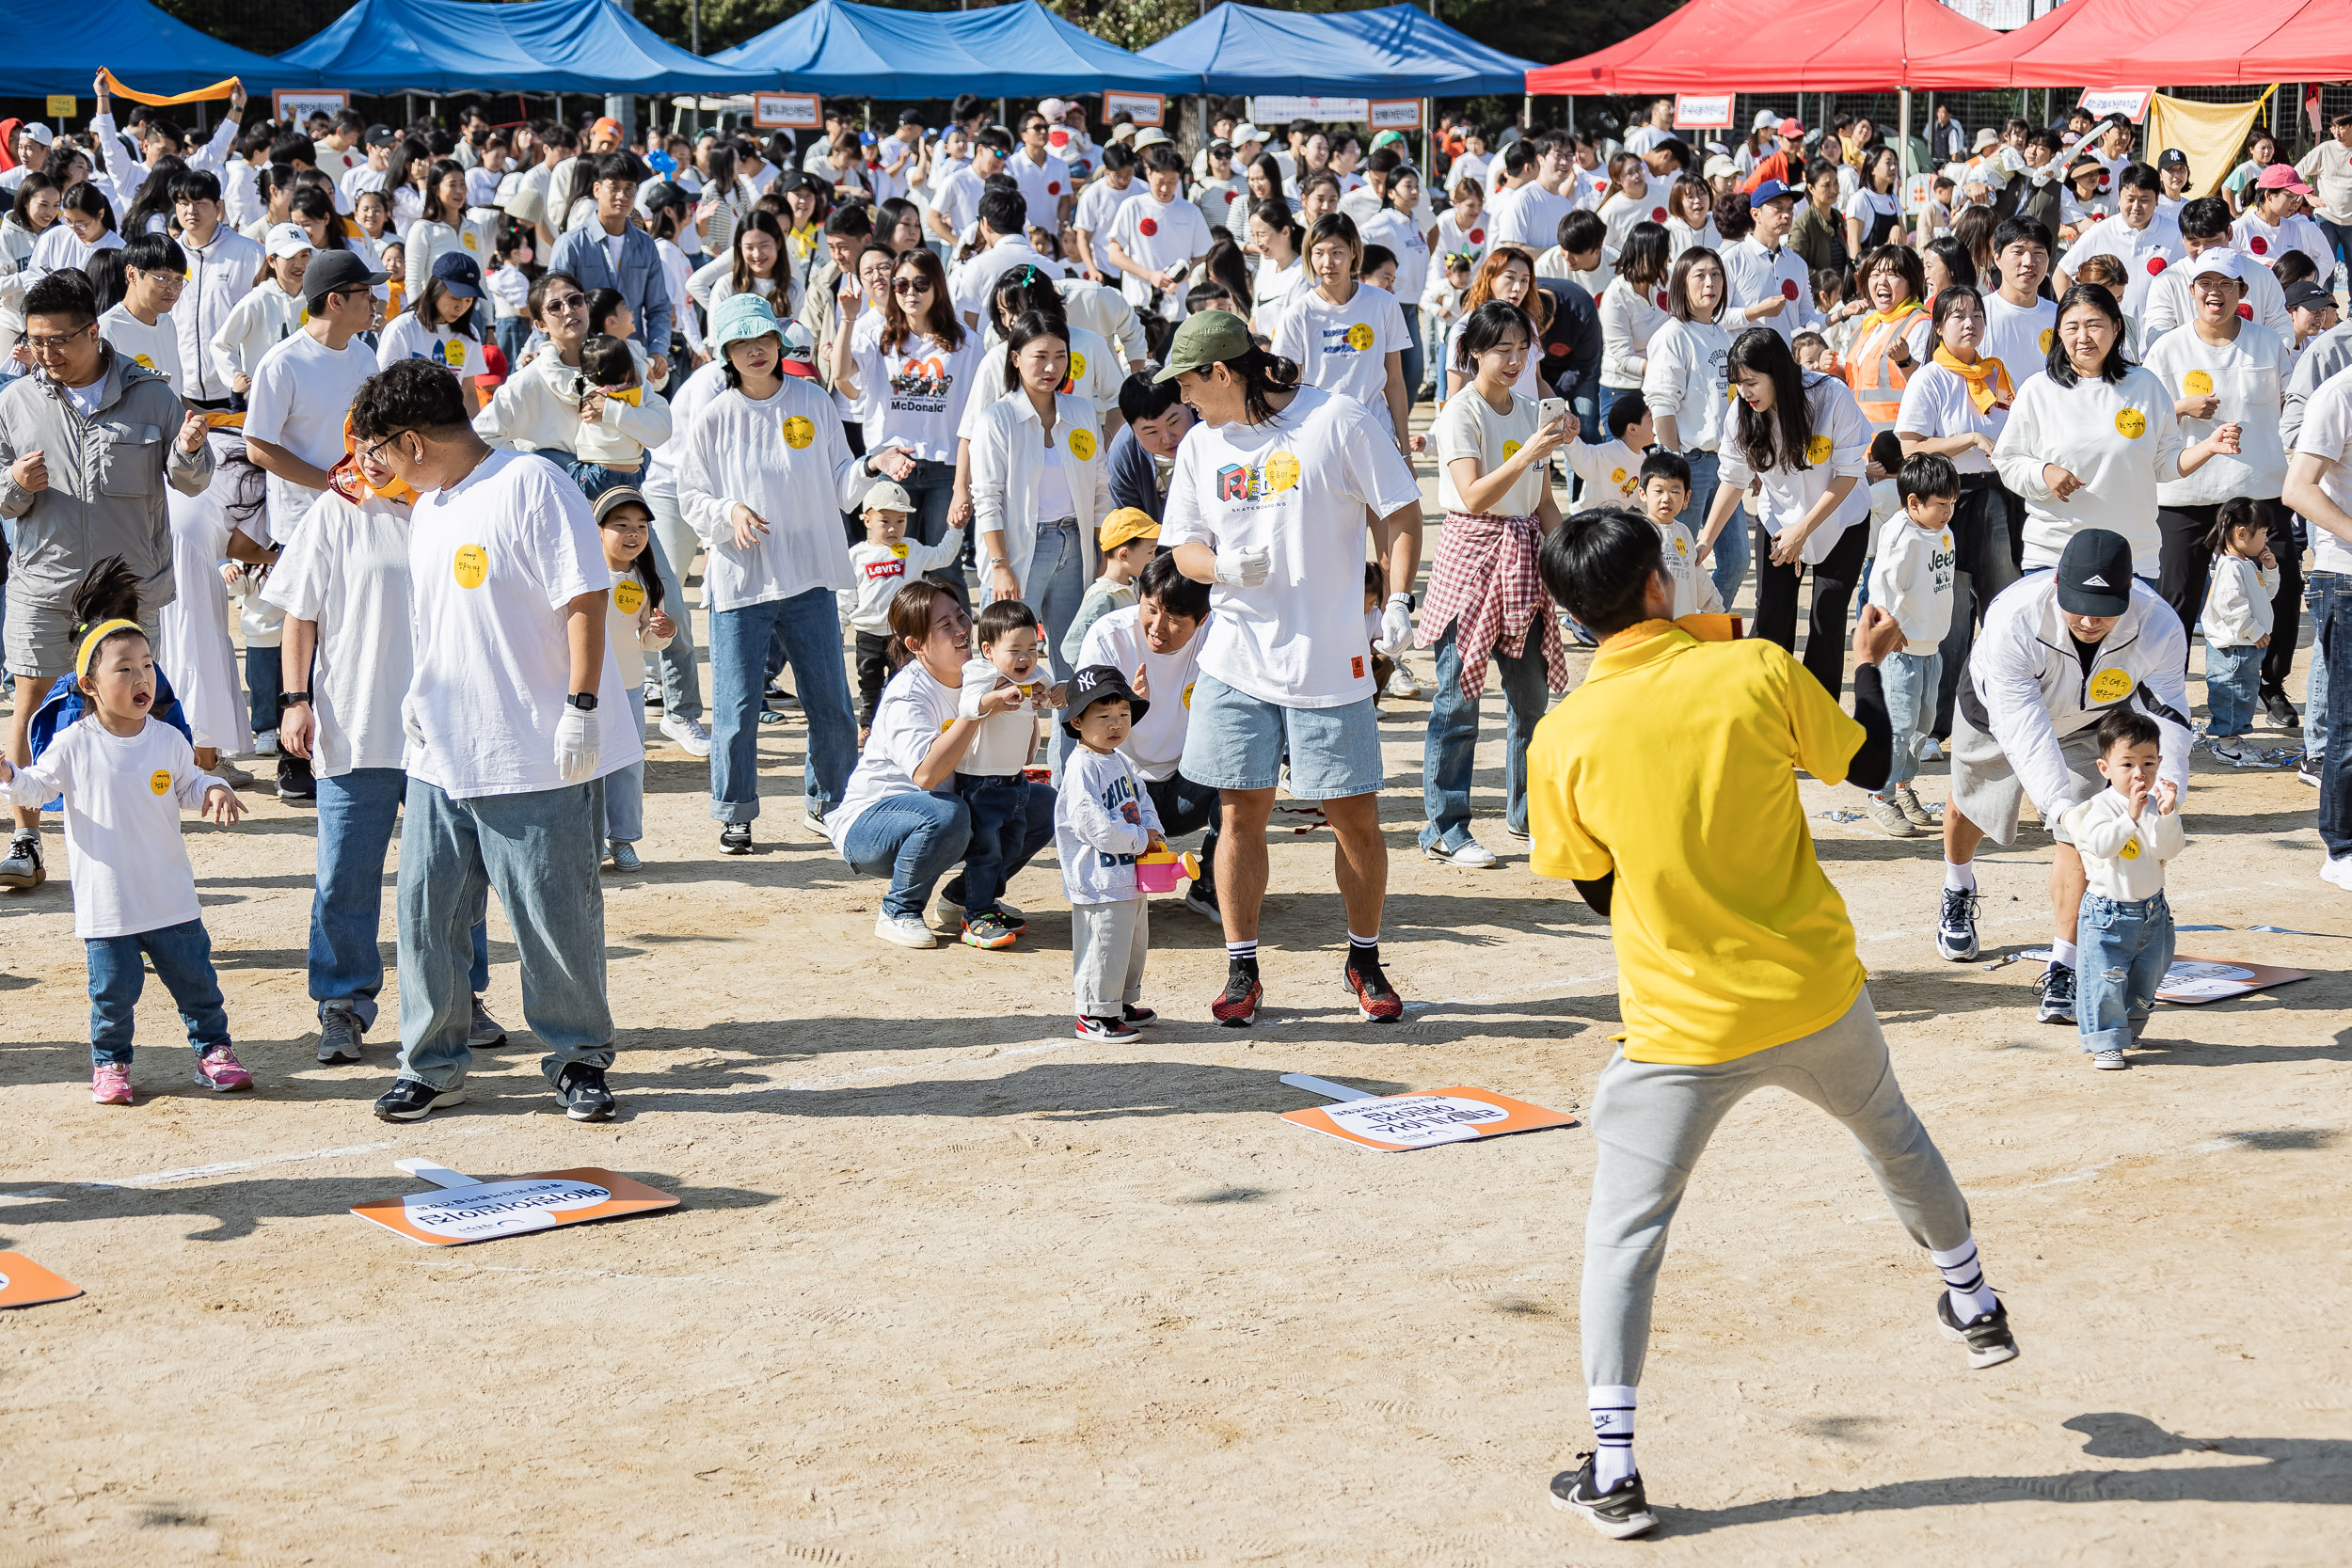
(1961, 877)
(2063, 953)
(1613, 1428)
(1963, 1279)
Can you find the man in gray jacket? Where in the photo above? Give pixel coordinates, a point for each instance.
(88, 442)
(2324, 357)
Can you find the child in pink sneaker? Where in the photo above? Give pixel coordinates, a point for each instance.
(125, 777)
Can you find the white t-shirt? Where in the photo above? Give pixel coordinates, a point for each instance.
(1346, 348)
(1156, 743)
(492, 561)
(2144, 252)
(1936, 405)
(1611, 472)
(1621, 212)
(956, 198)
(1865, 207)
(2326, 433)
(1685, 376)
(1097, 205)
(1007, 739)
(302, 390)
(1405, 240)
(1299, 486)
(2019, 335)
(156, 347)
(1042, 187)
(914, 712)
(1752, 274)
(1159, 234)
(1528, 216)
(2267, 242)
(1467, 426)
(346, 568)
(916, 394)
(408, 338)
(123, 797)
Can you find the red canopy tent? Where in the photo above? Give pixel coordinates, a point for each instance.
(2136, 44)
(1777, 46)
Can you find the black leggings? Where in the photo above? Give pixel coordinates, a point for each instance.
(2286, 605)
(1833, 582)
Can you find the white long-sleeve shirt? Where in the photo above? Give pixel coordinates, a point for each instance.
(882, 570)
(1840, 447)
(123, 795)
(1913, 581)
(2237, 602)
(2123, 860)
(1008, 452)
(2120, 438)
(1629, 317)
(2249, 375)
(266, 316)
(1683, 376)
(620, 437)
(785, 457)
(1103, 823)
(2169, 307)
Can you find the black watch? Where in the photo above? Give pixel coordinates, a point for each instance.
(584, 701)
(287, 699)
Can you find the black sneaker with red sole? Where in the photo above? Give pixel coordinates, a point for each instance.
(1238, 1008)
(1377, 1000)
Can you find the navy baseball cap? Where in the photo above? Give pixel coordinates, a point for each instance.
(456, 271)
(1770, 190)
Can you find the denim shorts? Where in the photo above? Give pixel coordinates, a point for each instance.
(1237, 741)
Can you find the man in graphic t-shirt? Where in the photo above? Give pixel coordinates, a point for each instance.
(1268, 503)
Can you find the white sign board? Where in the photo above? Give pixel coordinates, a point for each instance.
(1145, 108)
(2002, 16)
(1277, 111)
(2131, 103)
(1393, 114)
(787, 111)
(1703, 111)
(292, 108)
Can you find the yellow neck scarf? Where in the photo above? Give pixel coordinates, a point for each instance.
(1988, 379)
(1876, 319)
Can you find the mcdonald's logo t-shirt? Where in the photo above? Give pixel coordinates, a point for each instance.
(915, 394)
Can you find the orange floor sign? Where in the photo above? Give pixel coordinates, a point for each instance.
(466, 1210)
(2190, 981)
(26, 1283)
(1398, 1123)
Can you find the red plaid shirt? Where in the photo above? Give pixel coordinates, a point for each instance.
(1485, 579)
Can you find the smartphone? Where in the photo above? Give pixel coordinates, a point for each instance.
(1551, 411)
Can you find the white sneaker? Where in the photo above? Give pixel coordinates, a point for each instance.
(904, 929)
(691, 735)
(265, 744)
(1927, 750)
(1472, 855)
(1402, 684)
(2336, 870)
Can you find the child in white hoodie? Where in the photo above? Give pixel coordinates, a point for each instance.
(2238, 626)
(2124, 835)
(1913, 582)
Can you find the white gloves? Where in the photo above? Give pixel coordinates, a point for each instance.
(409, 724)
(1244, 568)
(1396, 624)
(576, 746)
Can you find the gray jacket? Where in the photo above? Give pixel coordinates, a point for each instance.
(106, 477)
(2327, 354)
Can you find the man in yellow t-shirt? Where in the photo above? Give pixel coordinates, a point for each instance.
(1665, 788)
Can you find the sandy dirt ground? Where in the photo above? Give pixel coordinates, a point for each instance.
(948, 1287)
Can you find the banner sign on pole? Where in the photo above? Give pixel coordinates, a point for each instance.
(292, 106)
(61, 105)
(787, 111)
(1707, 111)
(1393, 114)
(2131, 103)
(1276, 110)
(1145, 108)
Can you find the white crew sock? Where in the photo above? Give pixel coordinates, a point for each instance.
(1613, 1429)
(1963, 1279)
(1962, 877)
(2062, 953)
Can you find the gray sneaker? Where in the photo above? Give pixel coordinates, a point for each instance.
(486, 1032)
(1908, 802)
(625, 856)
(23, 869)
(338, 1035)
(1889, 816)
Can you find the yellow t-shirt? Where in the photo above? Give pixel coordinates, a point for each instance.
(1673, 766)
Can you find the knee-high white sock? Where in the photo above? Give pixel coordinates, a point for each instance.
(1963, 1277)
(1613, 1429)
(1962, 877)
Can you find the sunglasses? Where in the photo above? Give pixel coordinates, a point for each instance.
(911, 286)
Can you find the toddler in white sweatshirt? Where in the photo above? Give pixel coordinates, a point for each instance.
(2124, 835)
(2238, 626)
(1913, 581)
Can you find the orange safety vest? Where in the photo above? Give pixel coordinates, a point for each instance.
(1878, 385)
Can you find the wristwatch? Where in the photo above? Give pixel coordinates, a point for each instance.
(287, 699)
(584, 701)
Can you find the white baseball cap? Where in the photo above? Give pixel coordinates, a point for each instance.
(35, 131)
(1246, 132)
(1766, 119)
(2220, 259)
(288, 239)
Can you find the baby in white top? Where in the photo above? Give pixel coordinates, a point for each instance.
(2124, 835)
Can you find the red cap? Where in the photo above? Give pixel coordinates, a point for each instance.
(2281, 177)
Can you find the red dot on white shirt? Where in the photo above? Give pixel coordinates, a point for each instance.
(1228, 197)
(1788, 288)
(2106, 179)
(2259, 245)
(2156, 265)
(1478, 236)
(1662, 299)
(1053, 187)
(2245, 312)
(1148, 227)
(1657, 215)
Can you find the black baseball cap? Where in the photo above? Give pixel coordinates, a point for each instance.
(2094, 574)
(380, 136)
(2307, 295)
(336, 272)
(2173, 157)
(1099, 683)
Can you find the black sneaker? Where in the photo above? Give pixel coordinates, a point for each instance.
(1200, 898)
(1620, 1513)
(23, 869)
(2057, 985)
(581, 1093)
(411, 1100)
(1987, 1334)
(1956, 927)
(735, 839)
(2282, 712)
(1238, 1008)
(1137, 1016)
(295, 781)
(2308, 769)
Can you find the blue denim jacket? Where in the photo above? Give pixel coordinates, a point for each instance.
(582, 254)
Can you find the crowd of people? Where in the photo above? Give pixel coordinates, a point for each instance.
(1073, 484)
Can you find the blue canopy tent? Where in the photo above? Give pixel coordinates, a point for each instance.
(439, 46)
(1393, 51)
(144, 48)
(1017, 51)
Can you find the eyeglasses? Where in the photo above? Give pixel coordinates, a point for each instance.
(373, 451)
(911, 286)
(57, 344)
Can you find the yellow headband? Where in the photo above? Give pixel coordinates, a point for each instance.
(97, 634)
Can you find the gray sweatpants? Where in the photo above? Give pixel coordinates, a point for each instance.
(1109, 943)
(1652, 1120)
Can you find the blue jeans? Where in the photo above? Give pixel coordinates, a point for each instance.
(1416, 354)
(540, 851)
(263, 672)
(356, 813)
(624, 790)
(2123, 949)
(1586, 405)
(595, 479)
(996, 805)
(932, 489)
(809, 627)
(2330, 598)
(511, 333)
(913, 838)
(2339, 243)
(2315, 701)
(183, 962)
(1453, 739)
(1055, 584)
(681, 681)
(2232, 677)
(1911, 681)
